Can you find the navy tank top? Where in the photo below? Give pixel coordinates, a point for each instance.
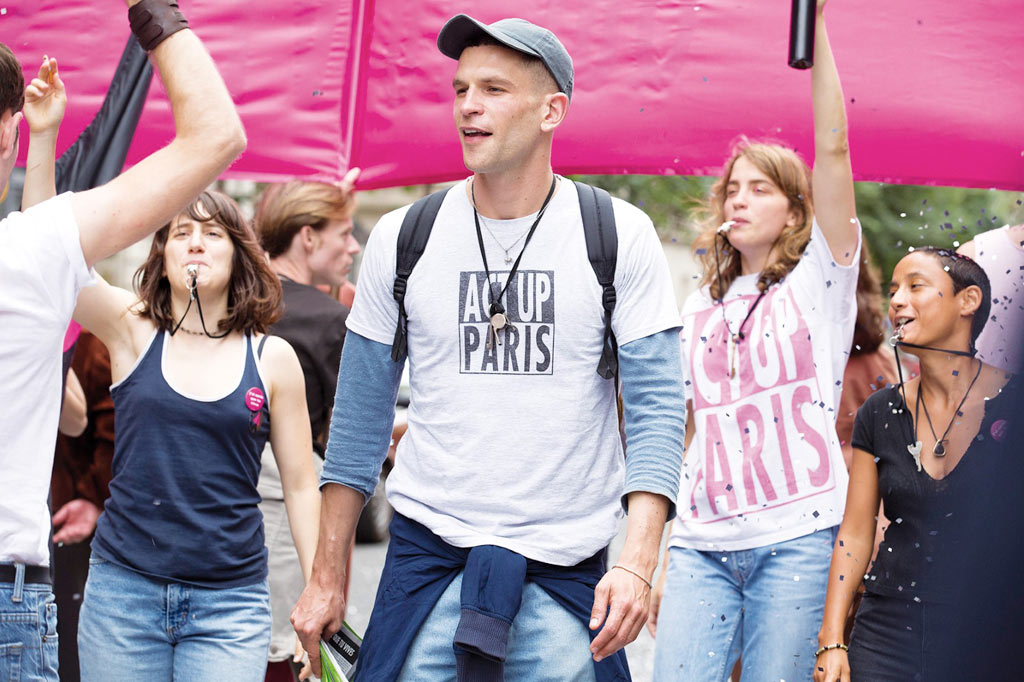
(183, 500)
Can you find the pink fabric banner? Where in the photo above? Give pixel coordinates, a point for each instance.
(934, 89)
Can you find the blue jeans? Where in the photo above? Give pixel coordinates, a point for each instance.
(28, 631)
(545, 644)
(133, 627)
(765, 604)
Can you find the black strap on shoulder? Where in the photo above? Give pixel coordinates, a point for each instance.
(602, 248)
(412, 240)
(259, 348)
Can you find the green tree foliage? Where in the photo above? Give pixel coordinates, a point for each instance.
(894, 217)
(667, 199)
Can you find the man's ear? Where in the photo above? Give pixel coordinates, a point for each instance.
(9, 136)
(309, 237)
(969, 299)
(556, 106)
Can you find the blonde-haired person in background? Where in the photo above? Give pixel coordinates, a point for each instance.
(764, 344)
(306, 230)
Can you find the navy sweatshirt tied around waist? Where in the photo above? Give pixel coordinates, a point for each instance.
(419, 568)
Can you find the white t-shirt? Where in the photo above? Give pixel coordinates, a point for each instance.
(517, 447)
(765, 464)
(41, 271)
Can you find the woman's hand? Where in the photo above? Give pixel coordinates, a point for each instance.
(301, 657)
(45, 100)
(656, 594)
(832, 666)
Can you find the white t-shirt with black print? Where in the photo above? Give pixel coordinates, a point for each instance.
(516, 445)
(765, 463)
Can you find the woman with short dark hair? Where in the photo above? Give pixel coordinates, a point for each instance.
(926, 448)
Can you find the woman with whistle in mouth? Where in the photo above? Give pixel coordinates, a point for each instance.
(764, 344)
(930, 449)
(178, 580)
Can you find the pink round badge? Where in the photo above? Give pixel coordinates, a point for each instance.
(999, 429)
(254, 399)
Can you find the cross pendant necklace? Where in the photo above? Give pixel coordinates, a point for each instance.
(733, 342)
(732, 339)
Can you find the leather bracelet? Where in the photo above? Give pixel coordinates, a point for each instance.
(629, 570)
(154, 21)
(830, 647)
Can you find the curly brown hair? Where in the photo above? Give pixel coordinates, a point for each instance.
(254, 292)
(12, 82)
(286, 209)
(790, 174)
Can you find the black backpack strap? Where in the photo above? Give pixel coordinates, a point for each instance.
(602, 249)
(412, 241)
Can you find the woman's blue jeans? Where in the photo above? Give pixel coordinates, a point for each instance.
(764, 604)
(133, 627)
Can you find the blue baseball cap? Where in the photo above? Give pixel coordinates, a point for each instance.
(517, 34)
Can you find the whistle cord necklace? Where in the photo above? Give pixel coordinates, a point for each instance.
(939, 450)
(496, 311)
(193, 295)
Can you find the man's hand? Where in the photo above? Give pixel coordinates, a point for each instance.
(626, 599)
(76, 521)
(45, 100)
(319, 611)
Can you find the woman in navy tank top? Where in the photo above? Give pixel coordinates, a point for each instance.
(177, 581)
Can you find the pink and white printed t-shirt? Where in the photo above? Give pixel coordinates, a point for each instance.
(765, 464)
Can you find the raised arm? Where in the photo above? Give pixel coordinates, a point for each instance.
(832, 178)
(850, 556)
(208, 137)
(105, 311)
(45, 102)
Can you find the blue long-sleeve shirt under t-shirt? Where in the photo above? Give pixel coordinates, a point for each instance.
(652, 397)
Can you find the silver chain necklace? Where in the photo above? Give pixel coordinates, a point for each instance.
(508, 256)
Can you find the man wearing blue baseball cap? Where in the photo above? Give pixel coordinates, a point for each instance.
(510, 481)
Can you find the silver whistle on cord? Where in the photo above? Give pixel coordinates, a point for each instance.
(897, 335)
(193, 273)
(725, 227)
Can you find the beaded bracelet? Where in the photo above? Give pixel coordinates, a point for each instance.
(629, 570)
(838, 645)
